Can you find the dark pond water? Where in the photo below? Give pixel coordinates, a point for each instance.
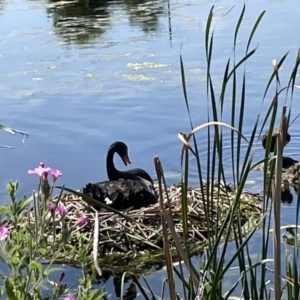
(78, 75)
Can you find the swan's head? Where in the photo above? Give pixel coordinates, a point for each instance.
(122, 150)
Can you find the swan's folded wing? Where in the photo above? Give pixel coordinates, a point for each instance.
(122, 193)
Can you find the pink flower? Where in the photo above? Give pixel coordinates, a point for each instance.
(51, 208)
(55, 174)
(69, 297)
(61, 209)
(3, 233)
(82, 220)
(40, 170)
(43, 172)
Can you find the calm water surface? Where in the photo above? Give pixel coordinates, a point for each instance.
(79, 75)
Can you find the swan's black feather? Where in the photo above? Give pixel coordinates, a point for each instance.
(122, 193)
(135, 174)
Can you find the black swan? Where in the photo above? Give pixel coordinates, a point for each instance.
(264, 137)
(113, 173)
(122, 193)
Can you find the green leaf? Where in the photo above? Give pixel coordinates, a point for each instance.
(5, 210)
(96, 294)
(62, 289)
(24, 263)
(9, 290)
(33, 265)
(43, 251)
(15, 260)
(21, 202)
(11, 187)
(26, 203)
(80, 280)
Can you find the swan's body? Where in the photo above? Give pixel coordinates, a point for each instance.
(264, 137)
(132, 188)
(288, 162)
(114, 174)
(122, 193)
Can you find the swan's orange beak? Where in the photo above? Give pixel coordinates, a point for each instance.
(126, 160)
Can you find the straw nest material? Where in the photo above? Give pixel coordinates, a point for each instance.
(141, 236)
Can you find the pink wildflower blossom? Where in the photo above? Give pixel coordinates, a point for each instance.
(43, 172)
(61, 209)
(3, 233)
(39, 171)
(82, 220)
(55, 174)
(51, 208)
(69, 297)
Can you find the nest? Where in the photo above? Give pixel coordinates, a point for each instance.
(138, 240)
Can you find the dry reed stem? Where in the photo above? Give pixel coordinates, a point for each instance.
(166, 245)
(276, 192)
(96, 243)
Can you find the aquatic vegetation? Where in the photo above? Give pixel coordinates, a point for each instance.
(135, 236)
(252, 280)
(60, 230)
(24, 250)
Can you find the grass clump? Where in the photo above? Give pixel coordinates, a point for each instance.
(29, 254)
(209, 279)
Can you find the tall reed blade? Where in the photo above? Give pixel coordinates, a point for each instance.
(167, 250)
(276, 192)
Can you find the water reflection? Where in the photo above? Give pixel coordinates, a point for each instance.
(286, 195)
(129, 293)
(288, 186)
(82, 21)
(130, 289)
(79, 21)
(144, 13)
(2, 6)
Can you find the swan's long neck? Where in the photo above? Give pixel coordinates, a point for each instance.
(112, 172)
